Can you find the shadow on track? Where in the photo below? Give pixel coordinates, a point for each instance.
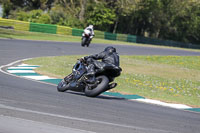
(99, 97)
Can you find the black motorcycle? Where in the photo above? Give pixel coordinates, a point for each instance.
(78, 80)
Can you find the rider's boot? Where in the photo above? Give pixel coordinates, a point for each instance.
(91, 74)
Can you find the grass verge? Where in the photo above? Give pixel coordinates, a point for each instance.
(167, 78)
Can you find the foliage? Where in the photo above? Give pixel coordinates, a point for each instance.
(7, 6)
(36, 16)
(60, 16)
(100, 16)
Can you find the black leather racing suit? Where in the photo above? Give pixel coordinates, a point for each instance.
(109, 60)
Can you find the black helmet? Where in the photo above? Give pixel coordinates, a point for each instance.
(110, 49)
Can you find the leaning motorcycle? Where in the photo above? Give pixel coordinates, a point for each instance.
(77, 80)
(86, 38)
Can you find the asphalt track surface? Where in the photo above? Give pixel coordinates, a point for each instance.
(34, 107)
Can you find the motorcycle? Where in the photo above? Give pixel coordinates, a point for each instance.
(86, 38)
(77, 80)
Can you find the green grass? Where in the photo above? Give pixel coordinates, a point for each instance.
(12, 34)
(167, 78)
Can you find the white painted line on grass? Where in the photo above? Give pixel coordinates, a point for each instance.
(22, 67)
(27, 65)
(38, 77)
(20, 71)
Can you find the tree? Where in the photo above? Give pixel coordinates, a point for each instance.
(10, 6)
(66, 12)
(82, 11)
(122, 9)
(100, 16)
(182, 20)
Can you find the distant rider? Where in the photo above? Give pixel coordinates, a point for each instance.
(91, 29)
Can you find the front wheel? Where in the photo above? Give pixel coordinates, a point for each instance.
(63, 86)
(102, 85)
(83, 41)
(88, 44)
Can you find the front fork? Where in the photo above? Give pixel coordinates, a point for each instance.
(68, 78)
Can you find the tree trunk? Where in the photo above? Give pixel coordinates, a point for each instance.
(115, 26)
(82, 12)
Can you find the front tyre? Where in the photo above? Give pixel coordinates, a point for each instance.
(83, 41)
(63, 86)
(103, 82)
(88, 44)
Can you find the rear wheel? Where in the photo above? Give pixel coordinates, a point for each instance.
(102, 85)
(63, 86)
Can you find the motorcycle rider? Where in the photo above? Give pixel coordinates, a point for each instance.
(91, 29)
(109, 60)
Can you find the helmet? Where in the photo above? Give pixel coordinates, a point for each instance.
(110, 49)
(91, 26)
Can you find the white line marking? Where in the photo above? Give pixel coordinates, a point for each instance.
(177, 106)
(21, 67)
(38, 77)
(21, 71)
(26, 65)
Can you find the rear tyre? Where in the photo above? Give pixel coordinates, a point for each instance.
(63, 86)
(101, 87)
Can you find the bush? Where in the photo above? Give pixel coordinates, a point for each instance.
(44, 19)
(36, 16)
(100, 16)
(60, 16)
(23, 16)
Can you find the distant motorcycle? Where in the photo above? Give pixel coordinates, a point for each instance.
(77, 80)
(86, 38)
